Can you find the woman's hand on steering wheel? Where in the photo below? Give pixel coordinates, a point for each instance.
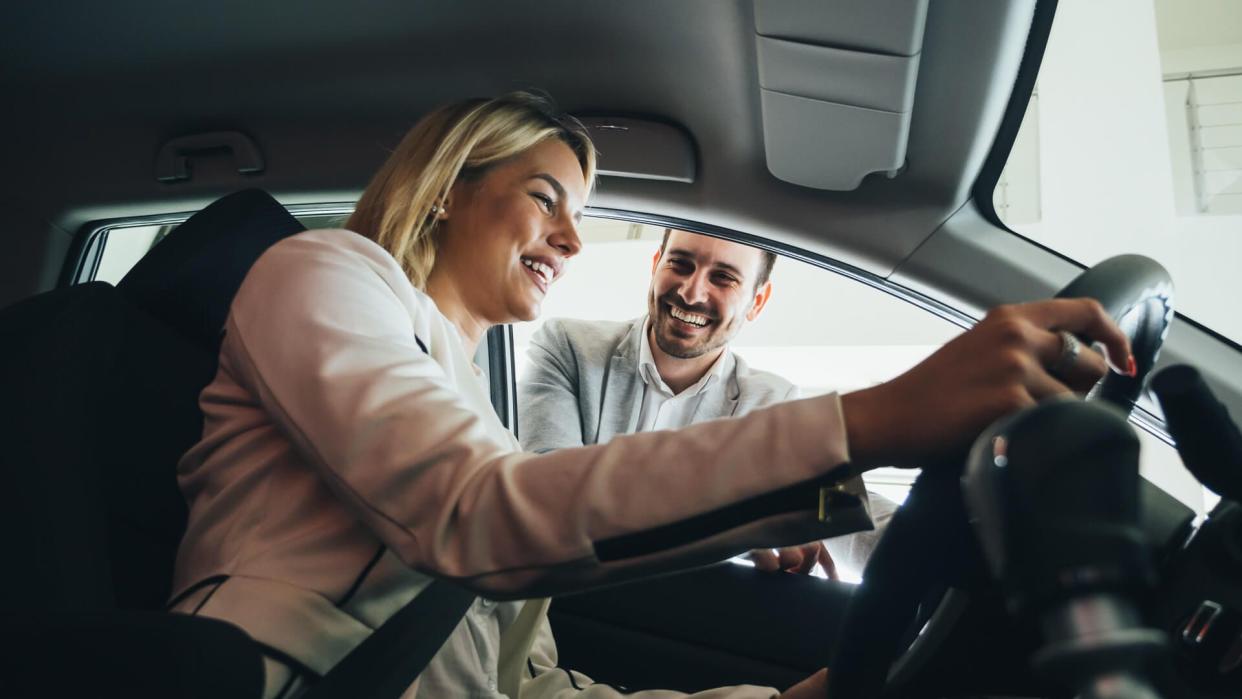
(1003, 364)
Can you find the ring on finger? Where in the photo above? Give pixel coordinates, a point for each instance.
(1070, 348)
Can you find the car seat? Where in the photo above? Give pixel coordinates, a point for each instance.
(99, 400)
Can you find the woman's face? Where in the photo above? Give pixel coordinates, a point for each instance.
(506, 236)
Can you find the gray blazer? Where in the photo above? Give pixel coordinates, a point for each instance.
(582, 385)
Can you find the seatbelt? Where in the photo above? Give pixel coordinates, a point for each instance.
(389, 660)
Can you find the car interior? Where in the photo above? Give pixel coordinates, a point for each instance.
(913, 163)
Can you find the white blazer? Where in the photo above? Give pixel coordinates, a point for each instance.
(341, 465)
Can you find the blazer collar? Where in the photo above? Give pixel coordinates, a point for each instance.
(621, 401)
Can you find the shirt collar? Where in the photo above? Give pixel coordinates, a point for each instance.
(650, 375)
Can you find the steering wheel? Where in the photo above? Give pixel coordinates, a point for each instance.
(929, 553)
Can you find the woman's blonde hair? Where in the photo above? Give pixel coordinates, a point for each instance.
(461, 140)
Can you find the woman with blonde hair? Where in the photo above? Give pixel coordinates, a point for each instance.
(350, 452)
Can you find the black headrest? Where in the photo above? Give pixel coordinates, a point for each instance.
(189, 279)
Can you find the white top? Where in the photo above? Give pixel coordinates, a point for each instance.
(341, 465)
(662, 409)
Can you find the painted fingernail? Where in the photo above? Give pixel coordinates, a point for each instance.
(1102, 349)
(1131, 367)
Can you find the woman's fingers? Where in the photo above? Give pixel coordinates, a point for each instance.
(1072, 363)
(1085, 318)
(1016, 356)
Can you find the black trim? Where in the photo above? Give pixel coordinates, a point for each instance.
(572, 682)
(207, 597)
(1023, 86)
(798, 497)
(293, 663)
(181, 596)
(1215, 335)
(421, 346)
(366, 570)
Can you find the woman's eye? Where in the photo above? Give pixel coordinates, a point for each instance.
(545, 202)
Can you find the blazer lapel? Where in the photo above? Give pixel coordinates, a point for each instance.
(721, 400)
(621, 399)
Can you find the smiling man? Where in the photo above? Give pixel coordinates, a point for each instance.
(589, 381)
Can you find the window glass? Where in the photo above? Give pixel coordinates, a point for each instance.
(122, 244)
(1133, 143)
(821, 331)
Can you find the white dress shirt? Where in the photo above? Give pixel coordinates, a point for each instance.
(662, 409)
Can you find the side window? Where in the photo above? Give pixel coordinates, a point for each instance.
(820, 330)
(112, 249)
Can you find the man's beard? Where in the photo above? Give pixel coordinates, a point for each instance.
(712, 340)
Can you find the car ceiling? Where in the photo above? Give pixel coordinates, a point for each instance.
(326, 88)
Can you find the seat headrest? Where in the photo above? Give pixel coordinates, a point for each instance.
(189, 278)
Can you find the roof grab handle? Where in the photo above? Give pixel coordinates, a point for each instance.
(172, 163)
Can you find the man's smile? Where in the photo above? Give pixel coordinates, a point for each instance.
(694, 319)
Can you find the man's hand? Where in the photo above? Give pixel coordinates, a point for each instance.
(813, 687)
(796, 559)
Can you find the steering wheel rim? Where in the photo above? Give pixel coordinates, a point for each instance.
(929, 543)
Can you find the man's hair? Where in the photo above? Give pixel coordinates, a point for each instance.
(767, 258)
(460, 141)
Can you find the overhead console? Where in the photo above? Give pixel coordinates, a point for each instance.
(836, 82)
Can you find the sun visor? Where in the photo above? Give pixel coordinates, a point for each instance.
(836, 85)
(640, 149)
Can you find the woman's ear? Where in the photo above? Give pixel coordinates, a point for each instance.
(443, 207)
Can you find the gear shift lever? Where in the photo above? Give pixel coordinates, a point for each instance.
(1053, 497)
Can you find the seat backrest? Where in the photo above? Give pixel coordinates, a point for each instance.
(99, 402)
(189, 279)
(99, 399)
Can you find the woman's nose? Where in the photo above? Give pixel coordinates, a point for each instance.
(566, 239)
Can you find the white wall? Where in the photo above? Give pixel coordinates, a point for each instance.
(1114, 168)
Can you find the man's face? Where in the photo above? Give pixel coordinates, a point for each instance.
(702, 293)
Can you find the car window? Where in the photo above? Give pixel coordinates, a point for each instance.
(1132, 143)
(820, 330)
(115, 247)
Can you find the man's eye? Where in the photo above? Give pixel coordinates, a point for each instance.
(725, 280)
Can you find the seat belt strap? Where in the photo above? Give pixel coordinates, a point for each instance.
(390, 659)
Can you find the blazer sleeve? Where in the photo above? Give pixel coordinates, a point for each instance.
(549, 416)
(327, 346)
